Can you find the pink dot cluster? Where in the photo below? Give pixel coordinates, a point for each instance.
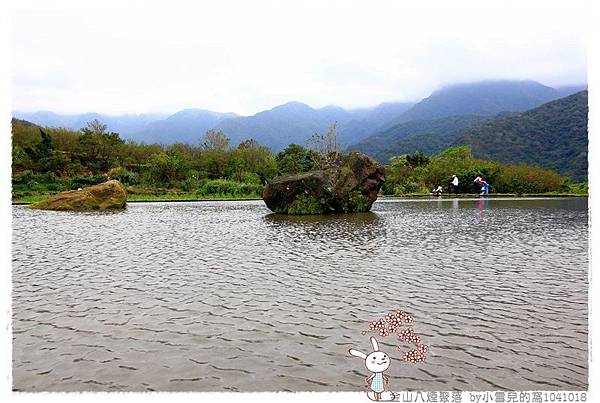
(416, 355)
(391, 323)
(409, 336)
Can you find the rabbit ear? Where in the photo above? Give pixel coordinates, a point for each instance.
(375, 344)
(357, 353)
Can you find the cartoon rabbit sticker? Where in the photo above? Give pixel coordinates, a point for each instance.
(376, 362)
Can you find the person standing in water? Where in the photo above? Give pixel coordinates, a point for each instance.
(485, 188)
(455, 184)
(477, 183)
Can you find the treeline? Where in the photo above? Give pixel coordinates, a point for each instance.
(419, 173)
(56, 159)
(48, 160)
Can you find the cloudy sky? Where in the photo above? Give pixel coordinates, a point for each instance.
(245, 56)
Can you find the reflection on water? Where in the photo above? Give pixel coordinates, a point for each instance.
(221, 296)
(336, 232)
(356, 218)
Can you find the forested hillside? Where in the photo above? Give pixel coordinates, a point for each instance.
(553, 136)
(427, 136)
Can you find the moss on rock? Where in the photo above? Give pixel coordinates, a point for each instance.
(360, 203)
(305, 204)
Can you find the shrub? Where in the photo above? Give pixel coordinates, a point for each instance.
(74, 168)
(305, 204)
(189, 184)
(229, 187)
(164, 169)
(124, 176)
(23, 178)
(30, 181)
(403, 178)
(522, 179)
(358, 201)
(579, 188)
(83, 181)
(407, 188)
(250, 177)
(48, 178)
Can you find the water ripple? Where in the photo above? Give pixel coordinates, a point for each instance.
(222, 296)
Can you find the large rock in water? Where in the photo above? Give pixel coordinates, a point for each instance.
(104, 196)
(348, 184)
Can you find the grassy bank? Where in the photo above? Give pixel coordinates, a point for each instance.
(152, 197)
(173, 197)
(475, 195)
(189, 197)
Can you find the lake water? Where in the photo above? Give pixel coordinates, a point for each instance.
(225, 296)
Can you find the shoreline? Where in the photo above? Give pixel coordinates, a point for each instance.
(165, 200)
(160, 199)
(476, 195)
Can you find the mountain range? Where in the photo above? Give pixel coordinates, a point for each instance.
(185, 126)
(553, 136)
(124, 124)
(486, 98)
(295, 122)
(471, 113)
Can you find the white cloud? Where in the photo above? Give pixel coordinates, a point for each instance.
(138, 56)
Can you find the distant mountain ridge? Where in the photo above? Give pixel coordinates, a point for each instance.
(368, 121)
(186, 126)
(15, 121)
(295, 122)
(124, 124)
(485, 98)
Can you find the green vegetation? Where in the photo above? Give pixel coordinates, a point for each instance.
(305, 205)
(50, 160)
(359, 201)
(553, 136)
(296, 159)
(419, 174)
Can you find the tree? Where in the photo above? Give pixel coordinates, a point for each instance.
(45, 147)
(213, 164)
(417, 159)
(95, 126)
(43, 155)
(215, 140)
(252, 159)
(97, 147)
(20, 158)
(250, 143)
(296, 159)
(165, 168)
(397, 173)
(325, 144)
